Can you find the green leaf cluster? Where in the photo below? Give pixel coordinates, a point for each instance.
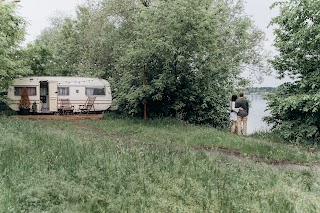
(295, 115)
(12, 30)
(295, 106)
(193, 51)
(76, 46)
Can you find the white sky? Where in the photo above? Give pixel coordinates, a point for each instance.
(261, 14)
(38, 12)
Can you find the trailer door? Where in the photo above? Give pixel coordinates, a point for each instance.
(53, 96)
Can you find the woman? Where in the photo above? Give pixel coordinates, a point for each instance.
(233, 113)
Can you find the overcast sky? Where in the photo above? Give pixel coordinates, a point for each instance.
(37, 13)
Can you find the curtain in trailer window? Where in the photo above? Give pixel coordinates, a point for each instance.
(31, 91)
(95, 91)
(89, 91)
(63, 90)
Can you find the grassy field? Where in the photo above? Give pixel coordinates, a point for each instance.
(127, 165)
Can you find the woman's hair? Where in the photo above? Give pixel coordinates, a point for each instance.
(234, 97)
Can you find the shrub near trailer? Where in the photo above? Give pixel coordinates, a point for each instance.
(24, 103)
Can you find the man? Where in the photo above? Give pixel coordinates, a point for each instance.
(242, 119)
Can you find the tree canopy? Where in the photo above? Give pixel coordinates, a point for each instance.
(295, 107)
(12, 29)
(193, 51)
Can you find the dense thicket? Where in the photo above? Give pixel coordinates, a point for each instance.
(295, 107)
(12, 29)
(193, 52)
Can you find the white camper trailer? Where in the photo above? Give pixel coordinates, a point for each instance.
(46, 93)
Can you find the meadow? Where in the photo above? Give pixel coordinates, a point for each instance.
(164, 165)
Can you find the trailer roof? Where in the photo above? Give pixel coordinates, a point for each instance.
(64, 80)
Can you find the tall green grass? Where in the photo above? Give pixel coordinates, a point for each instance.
(124, 165)
(263, 147)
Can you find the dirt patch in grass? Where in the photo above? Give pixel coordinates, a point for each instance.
(236, 155)
(83, 126)
(99, 132)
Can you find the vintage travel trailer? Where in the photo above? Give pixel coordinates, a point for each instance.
(45, 93)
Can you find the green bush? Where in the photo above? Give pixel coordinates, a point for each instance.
(295, 106)
(295, 114)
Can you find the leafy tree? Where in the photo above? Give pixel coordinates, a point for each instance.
(295, 107)
(12, 29)
(40, 59)
(55, 51)
(77, 46)
(193, 51)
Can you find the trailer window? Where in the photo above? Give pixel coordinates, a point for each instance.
(95, 91)
(63, 90)
(32, 91)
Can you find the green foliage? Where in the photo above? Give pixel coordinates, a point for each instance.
(40, 59)
(5, 110)
(12, 29)
(295, 107)
(193, 53)
(295, 114)
(79, 46)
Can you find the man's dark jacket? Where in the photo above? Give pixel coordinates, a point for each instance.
(243, 103)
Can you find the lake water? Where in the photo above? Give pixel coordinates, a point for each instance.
(256, 113)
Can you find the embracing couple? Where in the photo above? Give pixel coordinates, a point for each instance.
(239, 114)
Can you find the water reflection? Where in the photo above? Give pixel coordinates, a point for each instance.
(257, 112)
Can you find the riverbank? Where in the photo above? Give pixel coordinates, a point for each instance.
(120, 164)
